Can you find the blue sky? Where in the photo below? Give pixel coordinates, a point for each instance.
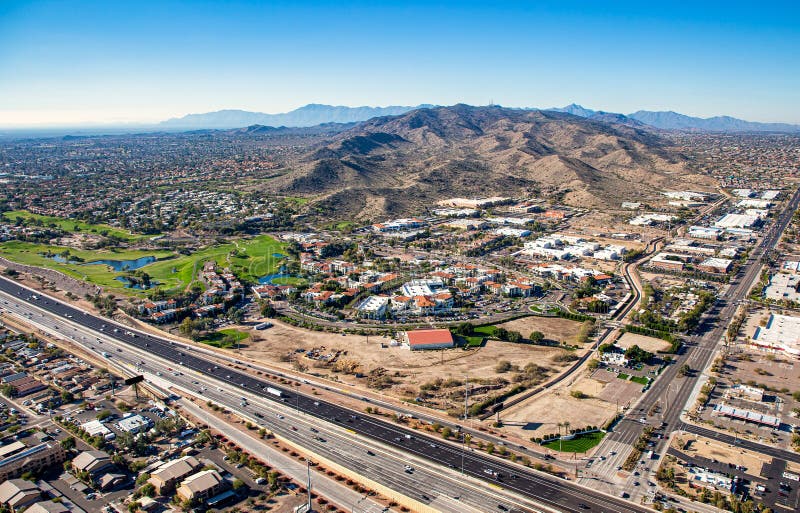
(73, 62)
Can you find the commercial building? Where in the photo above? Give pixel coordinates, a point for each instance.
(95, 428)
(34, 459)
(47, 507)
(651, 219)
(93, 462)
(511, 232)
(715, 265)
(202, 486)
(754, 203)
(133, 423)
(737, 221)
(668, 261)
(429, 339)
(704, 232)
(171, 473)
(373, 307)
(685, 195)
(17, 494)
(783, 287)
(747, 415)
(780, 335)
(399, 225)
(702, 477)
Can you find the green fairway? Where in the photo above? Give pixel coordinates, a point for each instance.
(32, 254)
(252, 259)
(581, 443)
(72, 225)
(249, 259)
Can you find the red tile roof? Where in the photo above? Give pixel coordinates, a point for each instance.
(431, 336)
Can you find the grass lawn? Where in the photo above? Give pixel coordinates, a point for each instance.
(640, 379)
(225, 339)
(473, 341)
(485, 330)
(622, 375)
(291, 280)
(252, 259)
(30, 254)
(580, 443)
(343, 225)
(72, 225)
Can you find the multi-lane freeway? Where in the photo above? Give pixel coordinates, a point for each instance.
(552, 492)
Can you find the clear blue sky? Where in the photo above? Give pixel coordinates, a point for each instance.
(74, 61)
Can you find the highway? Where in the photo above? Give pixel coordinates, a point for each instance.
(555, 493)
(330, 440)
(673, 392)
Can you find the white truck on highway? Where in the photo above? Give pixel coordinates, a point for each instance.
(274, 391)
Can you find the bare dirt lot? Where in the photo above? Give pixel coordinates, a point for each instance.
(617, 391)
(542, 414)
(553, 328)
(278, 346)
(651, 344)
(711, 449)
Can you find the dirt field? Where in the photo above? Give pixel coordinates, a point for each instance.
(410, 368)
(651, 344)
(707, 448)
(775, 371)
(617, 391)
(554, 328)
(542, 414)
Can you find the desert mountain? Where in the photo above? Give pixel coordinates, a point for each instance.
(309, 115)
(668, 120)
(403, 164)
(674, 121)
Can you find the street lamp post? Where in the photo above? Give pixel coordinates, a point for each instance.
(466, 416)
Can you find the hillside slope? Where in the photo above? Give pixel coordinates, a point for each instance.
(403, 164)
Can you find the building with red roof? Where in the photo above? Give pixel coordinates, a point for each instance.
(429, 339)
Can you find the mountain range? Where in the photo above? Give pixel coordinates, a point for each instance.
(394, 165)
(316, 114)
(308, 115)
(669, 120)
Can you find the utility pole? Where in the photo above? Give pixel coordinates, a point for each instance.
(466, 416)
(308, 488)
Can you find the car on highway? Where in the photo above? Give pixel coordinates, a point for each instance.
(408, 469)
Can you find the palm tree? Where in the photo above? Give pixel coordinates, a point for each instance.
(560, 425)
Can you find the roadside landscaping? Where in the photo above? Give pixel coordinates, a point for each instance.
(581, 443)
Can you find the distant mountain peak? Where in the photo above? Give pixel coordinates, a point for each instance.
(670, 120)
(308, 115)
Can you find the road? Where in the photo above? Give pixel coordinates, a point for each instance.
(673, 392)
(331, 440)
(550, 491)
(619, 315)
